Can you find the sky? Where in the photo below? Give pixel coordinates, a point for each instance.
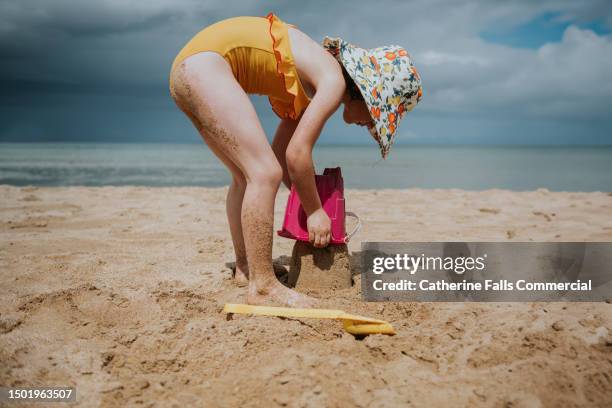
(493, 72)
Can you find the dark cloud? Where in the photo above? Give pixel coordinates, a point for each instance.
(77, 70)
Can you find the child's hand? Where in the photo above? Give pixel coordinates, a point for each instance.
(319, 228)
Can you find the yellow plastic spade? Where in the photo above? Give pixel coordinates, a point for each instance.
(354, 324)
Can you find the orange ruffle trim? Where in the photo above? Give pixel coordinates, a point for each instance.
(296, 100)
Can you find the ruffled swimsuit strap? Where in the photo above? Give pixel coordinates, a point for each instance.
(297, 99)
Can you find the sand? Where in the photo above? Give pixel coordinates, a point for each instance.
(314, 269)
(118, 291)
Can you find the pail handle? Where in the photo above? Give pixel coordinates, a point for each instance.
(357, 227)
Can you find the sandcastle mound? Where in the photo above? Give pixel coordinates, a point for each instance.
(319, 268)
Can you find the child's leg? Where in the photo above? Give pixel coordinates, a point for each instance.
(233, 206)
(233, 203)
(207, 85)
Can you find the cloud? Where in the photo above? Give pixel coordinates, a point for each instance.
(67, 53)
(82, 18)
(571, 78)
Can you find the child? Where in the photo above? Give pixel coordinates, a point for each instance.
(305, 83)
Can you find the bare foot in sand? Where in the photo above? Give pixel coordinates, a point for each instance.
(240, 275)
(276, 294)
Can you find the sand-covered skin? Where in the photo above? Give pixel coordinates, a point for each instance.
(118, 291)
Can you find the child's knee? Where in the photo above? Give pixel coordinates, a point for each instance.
(270, 174)
(238, 181)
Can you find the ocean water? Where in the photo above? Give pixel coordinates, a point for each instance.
(567, 168)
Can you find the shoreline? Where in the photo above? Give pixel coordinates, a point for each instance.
(378, 190)
(522, 168)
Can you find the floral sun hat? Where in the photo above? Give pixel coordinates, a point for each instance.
(388, 81)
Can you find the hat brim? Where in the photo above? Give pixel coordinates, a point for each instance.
(386, 104)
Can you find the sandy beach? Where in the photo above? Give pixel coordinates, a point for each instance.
(118, 291)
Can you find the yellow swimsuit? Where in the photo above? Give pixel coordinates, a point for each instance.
(259, 53)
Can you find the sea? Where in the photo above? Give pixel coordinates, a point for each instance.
(557, 168)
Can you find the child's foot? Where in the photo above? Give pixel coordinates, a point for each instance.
(276, 294)
(240, 275)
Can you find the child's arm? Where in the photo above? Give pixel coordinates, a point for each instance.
(282, 137)
(298, 155)
(330, 90)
